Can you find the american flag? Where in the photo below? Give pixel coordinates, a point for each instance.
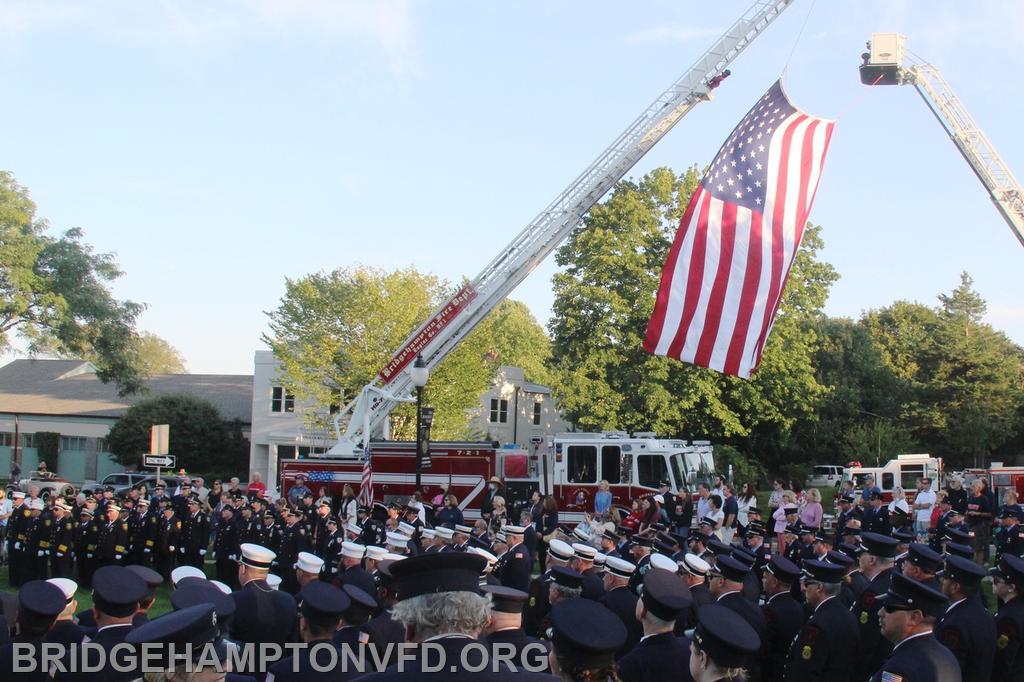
(366, 484)
(725, 272)
(320, 476)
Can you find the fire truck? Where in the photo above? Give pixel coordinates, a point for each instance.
(571, 465)
(568, 466)
(902, 472)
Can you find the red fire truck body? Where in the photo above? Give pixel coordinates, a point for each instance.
(569, 467)
(1000, 478)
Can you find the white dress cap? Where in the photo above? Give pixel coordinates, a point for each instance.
(310, 563)
(444, 533)
(585, 552)
(257, 556)
(619, 566)
(68, 587)
(560, 549)
(273, 581)
(352, 550)
(182, 572)
(375, 553)
(664, 563)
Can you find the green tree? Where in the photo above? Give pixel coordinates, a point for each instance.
(332, 332)
(603, 300)
(54, 293)
(157, 356)
(200, 439)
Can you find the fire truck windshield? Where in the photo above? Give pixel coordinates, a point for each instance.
(686, 477)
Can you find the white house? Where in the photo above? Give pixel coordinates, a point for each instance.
(516, 410)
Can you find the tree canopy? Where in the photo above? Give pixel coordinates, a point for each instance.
(55, 295)
(200, 439)
(156, 356)
(333, 331)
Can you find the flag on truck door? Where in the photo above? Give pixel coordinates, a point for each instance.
(725, 272)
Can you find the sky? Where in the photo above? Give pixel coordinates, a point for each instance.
(220, 148)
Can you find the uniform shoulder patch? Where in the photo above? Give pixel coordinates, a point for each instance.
(811, 634)
(869, 599)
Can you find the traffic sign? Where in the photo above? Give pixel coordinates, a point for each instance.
(158, 461)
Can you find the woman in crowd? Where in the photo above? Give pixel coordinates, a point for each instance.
(546, 525)
(650, 512)
(635, 516)
(746, 500)
(349, 506)
(536, 506)
(322, 497)
(603, 498)
(499, 516)
(798, 491)
(450, 514)
(899, 502)
(6, 508)
(788, 497)
(716, 514)
(979, 518)
(775, 499)
(812, 513)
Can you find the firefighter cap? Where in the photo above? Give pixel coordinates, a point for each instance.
(352, 551)
(256, 556)
(310, 563)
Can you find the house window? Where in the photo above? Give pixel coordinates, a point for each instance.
(72, 443)
(536, 412)
(28, 440)
(499, 411)
(281, 401)
(101, 445)
(6, 439)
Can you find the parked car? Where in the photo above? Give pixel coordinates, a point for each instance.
(121, 482)
(825, 476)
(47, 482)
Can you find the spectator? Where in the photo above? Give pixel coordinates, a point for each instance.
(257, 488)
(200, 489)
(450, 514)
(487, 503)
(956, 494)
(650, 512)
(716, 514)
(781, 519)
(684, 512)
(746, 500)
(213, 499)
(719, 483)
(925, 502)
(323, 498)
(536, 507)
(546, 525)
(988, 492)
(1010, 499)
(6, 508)
(979, 519)
(812, 513)
(730, 510)
(233, 486)
(499, 515)
(635, 516)
(438, 499)
(348, 507)
(798, 490)
(297, 492)
(603, 498)
(775, 499)
(899, 501)
(703, 505)
(870, 490)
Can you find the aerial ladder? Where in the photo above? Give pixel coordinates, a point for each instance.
(366, 415)
(888, 62)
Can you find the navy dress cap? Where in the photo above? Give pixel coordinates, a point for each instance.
(957, 549)
(725, 636)
(152, 579)
(664, 594)
(909, 594)
(782, 568)
(963, 571)
(117, 591)
(566, 577)
(1011, 511)
(839, 558)
(731, 569)
(507, 599)
(823, 571)
(197, 592)
(904, 536)
(359, 596)
(1010, 569)
(438, 572)
(718, 547)
(194, 626)
(755, 529)
(744, 555)
(41, 598)
(323, 602)
(852, 551)
(962, 537)
(924, 556)
(879, 545)
(586, 633)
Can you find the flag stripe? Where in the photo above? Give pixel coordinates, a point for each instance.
(723, 280)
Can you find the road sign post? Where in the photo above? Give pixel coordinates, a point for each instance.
(159, 446)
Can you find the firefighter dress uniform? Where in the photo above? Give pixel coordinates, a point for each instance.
(111, 540)
(516, 564)
(824, 647)
(1009, 659)
(965, 627)
(62, 543)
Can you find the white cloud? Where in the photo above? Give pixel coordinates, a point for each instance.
(670, 33)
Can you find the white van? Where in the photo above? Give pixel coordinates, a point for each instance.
(825, 476)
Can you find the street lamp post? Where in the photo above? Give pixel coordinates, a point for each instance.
(419, 375)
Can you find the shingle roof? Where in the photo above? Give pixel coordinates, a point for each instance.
(70, 388)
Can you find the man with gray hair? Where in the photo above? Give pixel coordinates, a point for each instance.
(443, 613)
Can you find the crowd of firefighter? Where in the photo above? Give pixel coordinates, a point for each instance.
(839, 603)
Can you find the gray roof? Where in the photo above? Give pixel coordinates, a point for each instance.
(530, 387)
(70, 388)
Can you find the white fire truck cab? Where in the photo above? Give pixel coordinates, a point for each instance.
(901, 472)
